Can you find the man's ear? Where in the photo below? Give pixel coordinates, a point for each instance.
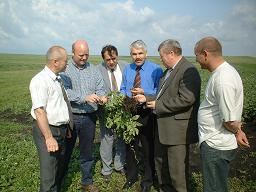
(205, 53)
(55, 62)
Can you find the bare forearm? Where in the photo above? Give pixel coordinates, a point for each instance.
(233, 126)
(42, 122)
(43, 125)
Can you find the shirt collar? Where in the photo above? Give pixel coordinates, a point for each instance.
(142, 66)
(83, 67)
(49, 72)
(176, 64)
(111, 69)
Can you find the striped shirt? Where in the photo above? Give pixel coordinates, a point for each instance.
(81, 82)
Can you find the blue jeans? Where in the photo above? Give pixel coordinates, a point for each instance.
(51, 164)
(215, 168)
(84, 128)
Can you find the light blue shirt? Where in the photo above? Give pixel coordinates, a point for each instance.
(150, 75)
(80, 82)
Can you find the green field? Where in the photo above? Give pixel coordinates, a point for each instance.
(18, 158)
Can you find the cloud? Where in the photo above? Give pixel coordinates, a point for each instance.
(238, 32)
(35, 25)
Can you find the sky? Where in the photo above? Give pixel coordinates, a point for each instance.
(32, 26)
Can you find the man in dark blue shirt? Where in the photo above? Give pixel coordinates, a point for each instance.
(141, 77)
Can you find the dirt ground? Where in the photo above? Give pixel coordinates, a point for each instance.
(244, 165)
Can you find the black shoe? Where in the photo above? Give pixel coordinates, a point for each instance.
(145, 189)
(128, 184)
(107, 178)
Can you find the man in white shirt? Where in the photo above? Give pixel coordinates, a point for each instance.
(219, 115)
(51, 118)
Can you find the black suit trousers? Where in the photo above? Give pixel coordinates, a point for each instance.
(140, 152)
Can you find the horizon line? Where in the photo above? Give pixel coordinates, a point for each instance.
(35, 54)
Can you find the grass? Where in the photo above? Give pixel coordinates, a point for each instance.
(18, 157)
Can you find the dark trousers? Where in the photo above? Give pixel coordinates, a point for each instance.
(133, 156)
(84, 128)
(172, 166)
(51, 164)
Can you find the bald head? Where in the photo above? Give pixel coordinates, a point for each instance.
(209, 44)
(56, 58)
(208, 53)
(80, 44)
(80, 51)
(55, 52)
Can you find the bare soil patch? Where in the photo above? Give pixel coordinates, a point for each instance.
(244, 165)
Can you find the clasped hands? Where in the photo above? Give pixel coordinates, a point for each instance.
(236, 128)
(241, 138)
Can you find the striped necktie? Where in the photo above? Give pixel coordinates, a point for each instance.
(71, 120)
(137, 80)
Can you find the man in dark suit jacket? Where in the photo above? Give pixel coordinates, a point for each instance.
(176, 106)
(111, 70)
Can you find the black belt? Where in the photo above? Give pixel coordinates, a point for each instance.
(84, 114)
(80, 114)
(59, 126)
(54, 126)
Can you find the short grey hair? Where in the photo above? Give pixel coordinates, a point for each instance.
(170, 45)
(55, 52)
(138, 44)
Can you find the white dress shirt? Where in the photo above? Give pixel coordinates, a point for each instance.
(46, 92)
(118, 75)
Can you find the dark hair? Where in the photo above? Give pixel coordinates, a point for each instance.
(110, 49)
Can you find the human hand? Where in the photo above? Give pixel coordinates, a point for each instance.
(103, 100)
(241, 139)
(140, 98)
(151, 104)
(233, 126)
(93, 98)
(51, 144)
(137, 91)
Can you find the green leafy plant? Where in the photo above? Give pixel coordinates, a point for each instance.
(120, 115)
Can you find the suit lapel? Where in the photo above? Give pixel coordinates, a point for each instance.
(105, 76)
(170, 78)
